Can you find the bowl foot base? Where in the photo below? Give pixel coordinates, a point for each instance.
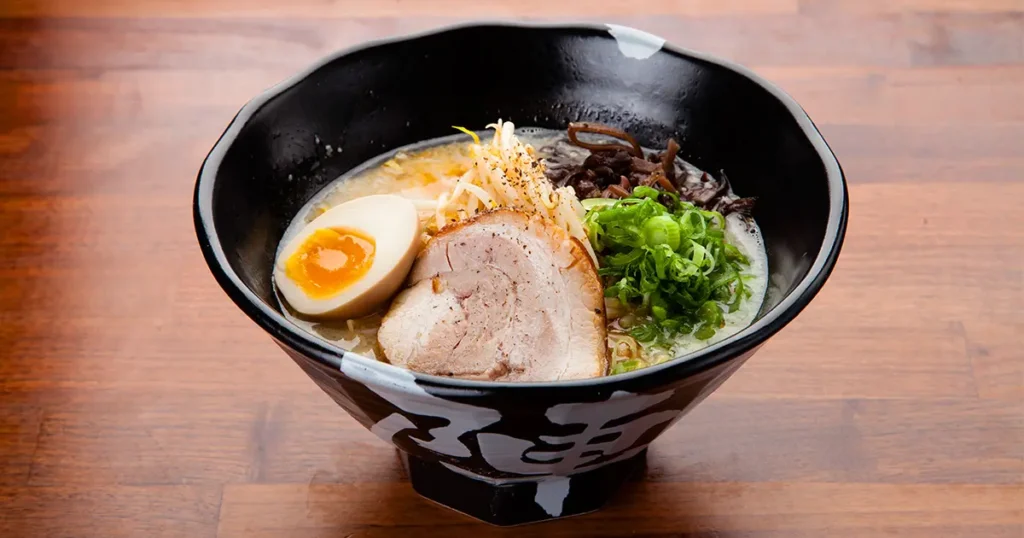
(524, 500)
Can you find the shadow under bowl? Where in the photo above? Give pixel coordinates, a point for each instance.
(511, 453)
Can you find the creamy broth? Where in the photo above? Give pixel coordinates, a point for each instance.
(411, 171)
(747, 237)
(416, 171)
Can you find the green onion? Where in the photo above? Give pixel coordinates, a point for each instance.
(733, 254)
(647, 332)
(711, 313)
(662, 230)
(646, 192)
(660, 313)
(594, 203)
(693, 224)
(704, 332)
(671, 325)
(622, 367)
(670, 265)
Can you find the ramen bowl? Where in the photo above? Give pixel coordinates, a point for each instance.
(512, 453)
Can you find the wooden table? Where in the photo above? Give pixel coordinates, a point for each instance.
(136, 400)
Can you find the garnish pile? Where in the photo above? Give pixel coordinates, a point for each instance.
(669, 263)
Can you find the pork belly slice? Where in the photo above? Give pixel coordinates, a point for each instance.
(504, 296)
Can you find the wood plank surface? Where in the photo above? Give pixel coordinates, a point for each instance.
(893, 406)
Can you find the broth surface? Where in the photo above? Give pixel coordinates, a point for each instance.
(415, 172)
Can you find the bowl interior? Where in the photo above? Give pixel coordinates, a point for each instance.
(381, 97)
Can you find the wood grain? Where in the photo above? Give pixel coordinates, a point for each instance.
(893, 406)
(646, 509)
(375, 8)
(289, 42)
(111, 511)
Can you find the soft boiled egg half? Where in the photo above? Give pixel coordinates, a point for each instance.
(349, 261)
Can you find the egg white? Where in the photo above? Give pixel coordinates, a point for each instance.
(393, 224)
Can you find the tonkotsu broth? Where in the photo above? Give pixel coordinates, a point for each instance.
(414, 171)
(411, 171)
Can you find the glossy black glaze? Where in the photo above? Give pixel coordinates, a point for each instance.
(287, 144)
(513, 503)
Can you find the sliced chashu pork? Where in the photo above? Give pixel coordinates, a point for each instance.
(502, 296)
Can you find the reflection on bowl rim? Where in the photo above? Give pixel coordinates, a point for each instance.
(735, 345)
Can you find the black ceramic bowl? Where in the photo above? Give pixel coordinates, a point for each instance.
(511, 453)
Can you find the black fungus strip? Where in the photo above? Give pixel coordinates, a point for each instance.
(584, 127)
(613, 169)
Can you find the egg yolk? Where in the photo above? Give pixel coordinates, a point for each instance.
(330, 260)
